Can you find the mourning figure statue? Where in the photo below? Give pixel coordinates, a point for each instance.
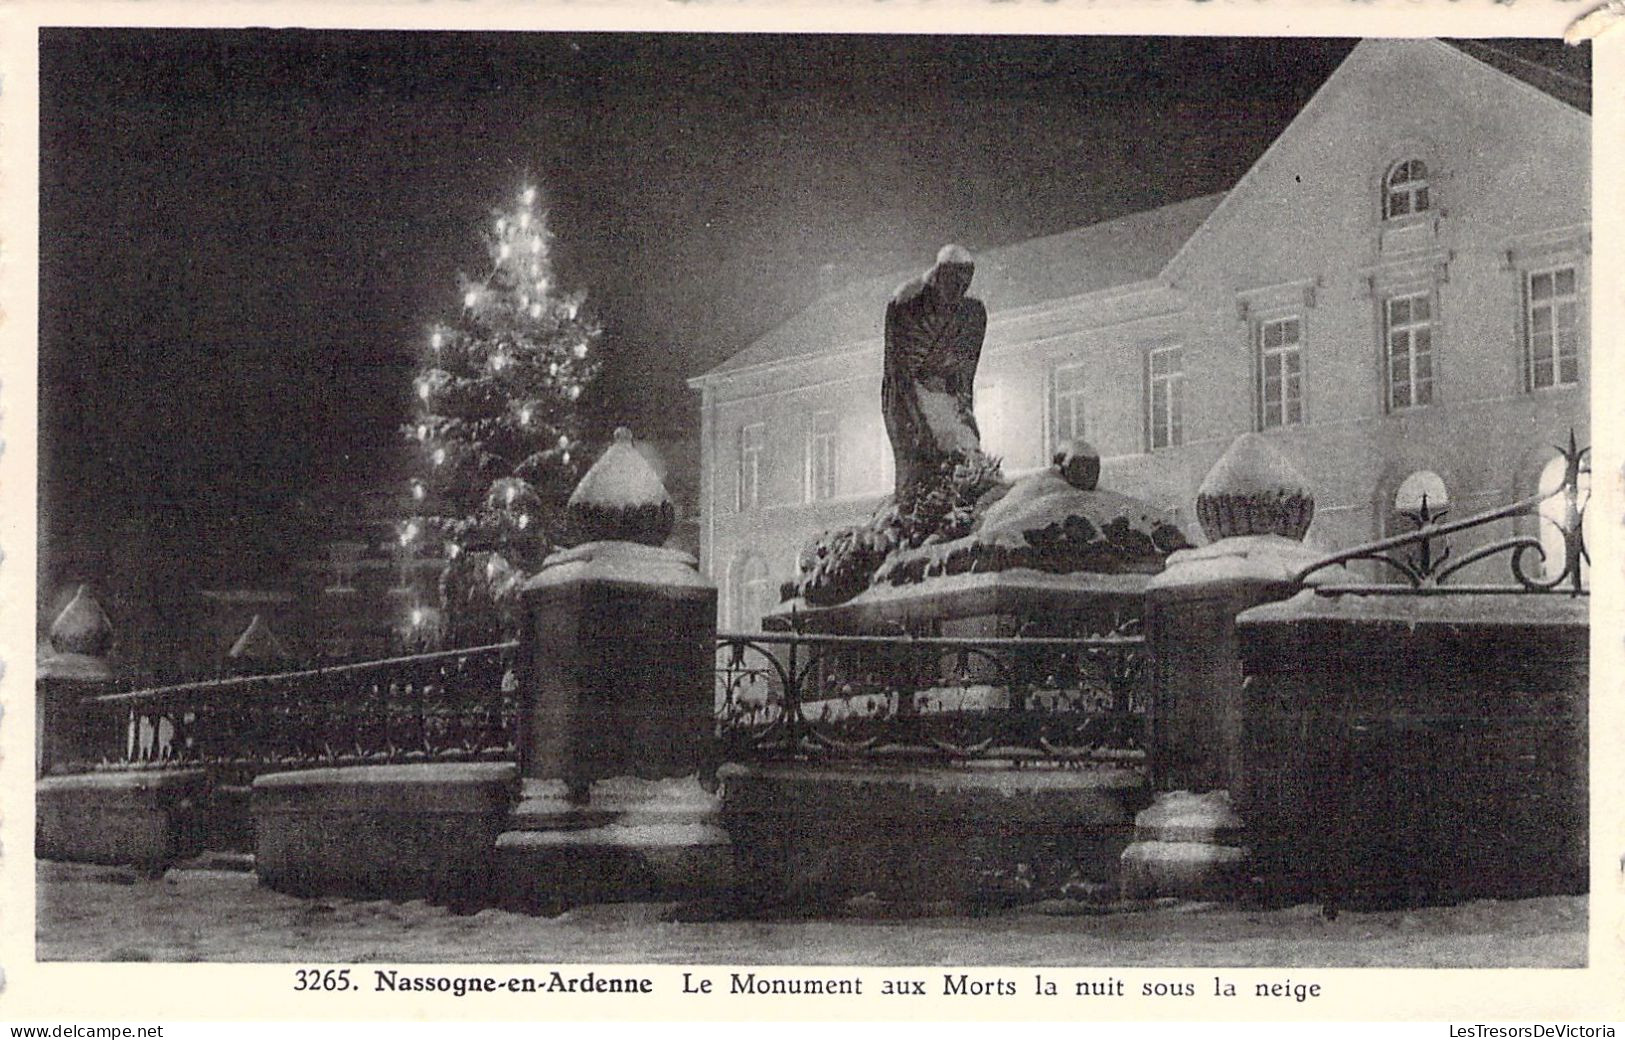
(933, 343)
(952, 511)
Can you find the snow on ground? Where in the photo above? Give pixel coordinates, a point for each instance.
(89, 913)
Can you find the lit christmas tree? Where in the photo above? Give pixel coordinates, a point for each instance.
(498, 426)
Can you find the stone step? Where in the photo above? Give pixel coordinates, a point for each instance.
(1183, 870)
(544, 805)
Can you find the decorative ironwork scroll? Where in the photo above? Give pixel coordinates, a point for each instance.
(1069, 701)
(455, 705)
(1426, 563)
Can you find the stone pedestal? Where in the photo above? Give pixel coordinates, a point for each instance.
(619, 662)
(1192, 845)
(618, 673)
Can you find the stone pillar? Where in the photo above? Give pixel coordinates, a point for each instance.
(137, 817)
(75, 670)
(1255, 509)
(616, 722)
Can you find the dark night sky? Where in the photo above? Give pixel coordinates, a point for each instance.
(244, 233)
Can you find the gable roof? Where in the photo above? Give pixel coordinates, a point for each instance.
(1113, 253)
(1133, 248)
(258, 643)
(1566, 87)
(1351, 66)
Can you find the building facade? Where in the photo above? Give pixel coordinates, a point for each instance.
(1395, 293)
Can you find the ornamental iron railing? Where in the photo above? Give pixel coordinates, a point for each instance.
(1424, 560)
(450, 706)
(1023, 700)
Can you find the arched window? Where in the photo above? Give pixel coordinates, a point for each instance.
(752, 594)
(1405, 189)
(1420, 499)
(1554, 518)
(1424, 488)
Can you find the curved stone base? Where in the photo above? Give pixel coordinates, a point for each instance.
(143, 818)
(809, 834)
(409, 831)
(1184, 870)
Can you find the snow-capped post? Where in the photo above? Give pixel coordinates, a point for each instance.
(1255, 509)
(75, 669)
(617, 679)
(145, 818)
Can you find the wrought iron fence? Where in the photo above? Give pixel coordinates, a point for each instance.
(455, 705)
(1062, 701)
(1423, 559)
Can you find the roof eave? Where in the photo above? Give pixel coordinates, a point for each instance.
(1093, 297)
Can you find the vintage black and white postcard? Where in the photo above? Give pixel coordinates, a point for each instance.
(1051, 513)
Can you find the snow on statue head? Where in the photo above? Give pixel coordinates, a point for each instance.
(1078, 463)
(621, 499)
(951, 274)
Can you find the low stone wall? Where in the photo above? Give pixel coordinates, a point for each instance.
(1410, 748)
(812, 834)
(144, 818)
(405, 831)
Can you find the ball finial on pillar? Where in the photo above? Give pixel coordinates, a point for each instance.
(1252, 490)
(621, 498)
(82, 627)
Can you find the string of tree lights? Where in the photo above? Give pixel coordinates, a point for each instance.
(498, 425)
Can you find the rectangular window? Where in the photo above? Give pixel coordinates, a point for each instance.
(1280, 372)
(1551, 328)
(1409, 339)
(751, 439)
(1165, 397)
(1066, 405)
(821, 460)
